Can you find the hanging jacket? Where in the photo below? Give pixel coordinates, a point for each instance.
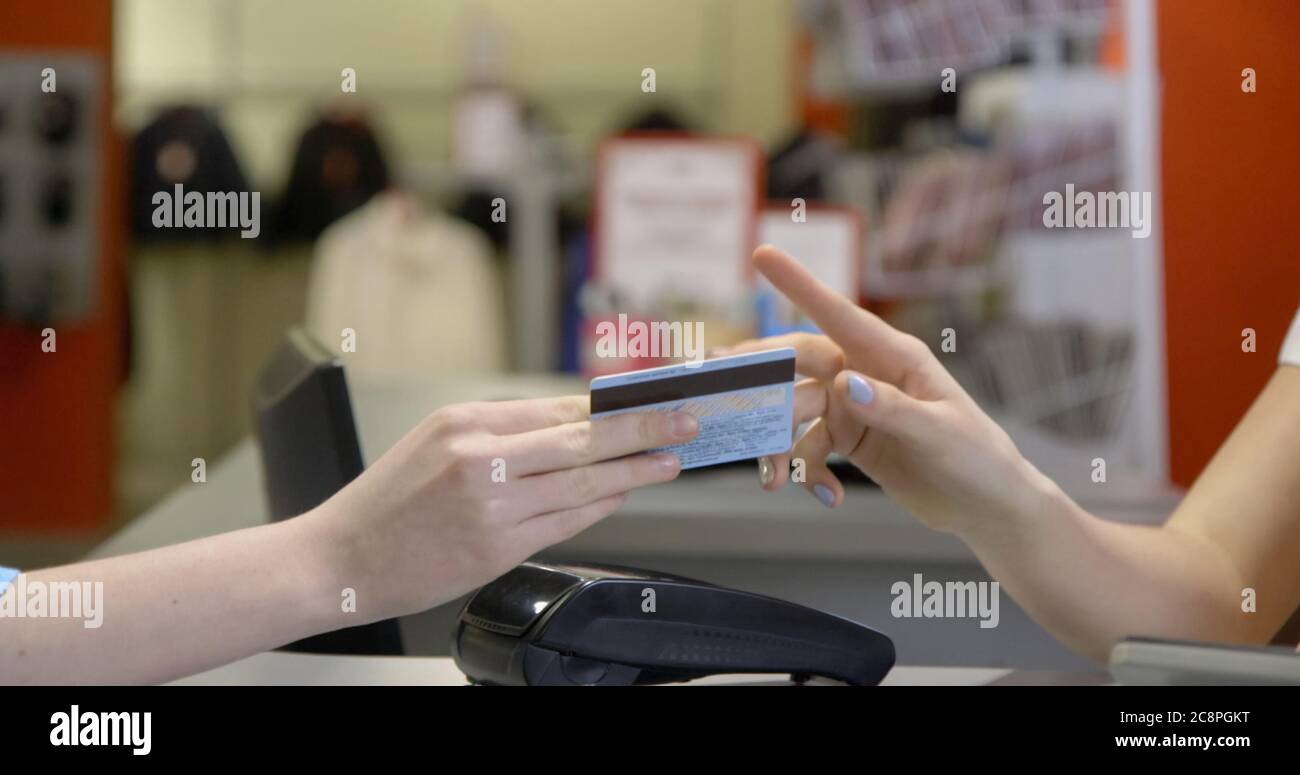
(337, 166)
(183, 145)
(418, 291)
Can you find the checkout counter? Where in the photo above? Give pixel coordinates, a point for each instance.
(716, 526)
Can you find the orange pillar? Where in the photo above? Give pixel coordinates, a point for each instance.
(56, 408)
(1231, 190)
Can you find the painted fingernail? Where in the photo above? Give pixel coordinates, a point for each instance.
(824, 494)
(860, 390)
(766, 470)
(683, 425)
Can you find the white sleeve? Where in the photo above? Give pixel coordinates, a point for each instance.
(1290, 353)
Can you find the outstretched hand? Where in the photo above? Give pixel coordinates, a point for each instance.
(892, 409)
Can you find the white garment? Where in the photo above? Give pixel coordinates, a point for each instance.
(418, 291)
(1290, 353)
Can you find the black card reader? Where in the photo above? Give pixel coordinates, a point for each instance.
(545, 624)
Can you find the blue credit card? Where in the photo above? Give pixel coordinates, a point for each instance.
(745, 403)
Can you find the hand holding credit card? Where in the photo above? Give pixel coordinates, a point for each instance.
(745, 403)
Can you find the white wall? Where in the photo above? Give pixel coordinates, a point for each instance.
(726, 62)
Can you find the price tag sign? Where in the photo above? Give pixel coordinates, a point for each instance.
(827, 240)
(676, 218)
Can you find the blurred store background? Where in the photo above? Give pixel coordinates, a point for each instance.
(429, 174)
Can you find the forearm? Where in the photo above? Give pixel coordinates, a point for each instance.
(1091, 582)
(1221, 569)
(904, 421)
(181, 609)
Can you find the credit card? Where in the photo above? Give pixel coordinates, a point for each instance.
(745, 403)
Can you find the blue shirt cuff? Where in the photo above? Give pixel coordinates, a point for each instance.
(7, 575)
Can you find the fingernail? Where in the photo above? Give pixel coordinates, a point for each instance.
(860, 390)
(668, 461)
(824, 494)
(766, 471)
(683, 425)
